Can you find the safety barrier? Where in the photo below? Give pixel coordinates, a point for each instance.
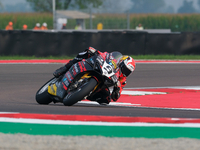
(56, 43)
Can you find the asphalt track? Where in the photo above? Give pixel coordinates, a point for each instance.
(19, 83)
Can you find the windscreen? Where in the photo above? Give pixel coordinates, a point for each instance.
(117, 57)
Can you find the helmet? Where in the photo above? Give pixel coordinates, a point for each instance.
(127, 65)
(25, 26)
(10, 23)
(44, 24)
(37, 24)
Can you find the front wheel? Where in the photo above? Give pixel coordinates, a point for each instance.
(77, 95)
(42, 95)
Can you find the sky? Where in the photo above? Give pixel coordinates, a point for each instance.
(12, 2)
(175, 3)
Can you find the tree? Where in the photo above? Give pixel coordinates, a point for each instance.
(46, 5)
(147, 6)
(114, 6)
(187, 7)
(198, 2)
(1, 6)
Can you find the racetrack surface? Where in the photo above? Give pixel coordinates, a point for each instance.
(19, 83)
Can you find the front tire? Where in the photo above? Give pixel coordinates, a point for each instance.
(42, 95)
(80, 93)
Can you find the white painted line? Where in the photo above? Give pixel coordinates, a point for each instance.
(136, 105)
(168, 87)
(126, 92)
(61, 122)
(9, 112)
(110, 104)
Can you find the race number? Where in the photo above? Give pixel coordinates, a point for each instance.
(108, 69)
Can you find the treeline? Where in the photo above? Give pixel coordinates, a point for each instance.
(175, 22)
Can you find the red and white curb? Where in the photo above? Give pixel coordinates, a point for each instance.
(97, 120)
(183, 98)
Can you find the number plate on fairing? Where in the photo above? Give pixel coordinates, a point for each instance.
(107, 70)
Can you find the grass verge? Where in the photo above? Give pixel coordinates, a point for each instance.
(95, 130)
(146, 57)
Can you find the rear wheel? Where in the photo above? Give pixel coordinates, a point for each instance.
(77, 95)
(42, 95)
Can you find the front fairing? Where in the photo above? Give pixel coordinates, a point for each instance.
(104, 69)
(109, 66)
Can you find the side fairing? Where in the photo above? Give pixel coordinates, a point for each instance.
(74, 71)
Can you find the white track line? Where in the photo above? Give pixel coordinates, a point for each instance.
(61, 122)
(168, 87)
(126, 92)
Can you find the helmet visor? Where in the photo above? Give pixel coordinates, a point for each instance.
(125, 71)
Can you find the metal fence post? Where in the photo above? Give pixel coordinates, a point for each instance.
(128, 20)
(54, 13)
(91, 19)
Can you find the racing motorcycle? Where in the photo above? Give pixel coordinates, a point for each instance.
(84, 79)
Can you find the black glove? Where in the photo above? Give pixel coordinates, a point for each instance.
(60, 71)
(91, 51)
(115, 94)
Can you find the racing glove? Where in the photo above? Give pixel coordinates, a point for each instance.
(116, 93)
(91, 51)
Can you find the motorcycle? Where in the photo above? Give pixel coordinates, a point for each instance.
(84, 79)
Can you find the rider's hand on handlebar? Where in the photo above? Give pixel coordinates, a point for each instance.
(91, 51)
(60, 71)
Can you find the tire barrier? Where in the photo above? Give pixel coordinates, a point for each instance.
(57, 43)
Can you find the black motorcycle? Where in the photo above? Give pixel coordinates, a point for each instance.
(84, 79)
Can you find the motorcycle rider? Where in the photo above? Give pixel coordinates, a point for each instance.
(127, 66)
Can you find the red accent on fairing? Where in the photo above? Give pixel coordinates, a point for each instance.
(84, 69)
(103, 54)
(95, 78)
(64, 86)
(74, 71)
(80, 66)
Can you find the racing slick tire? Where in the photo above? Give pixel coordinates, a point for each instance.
(42, 95)
(80, 93)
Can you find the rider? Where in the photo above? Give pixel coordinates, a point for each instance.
(127, 66)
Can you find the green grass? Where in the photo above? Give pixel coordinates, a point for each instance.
(97, 130)
(146, 57)
(33, 57)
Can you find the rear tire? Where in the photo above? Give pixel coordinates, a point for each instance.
(80, 93)
(42, 95)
